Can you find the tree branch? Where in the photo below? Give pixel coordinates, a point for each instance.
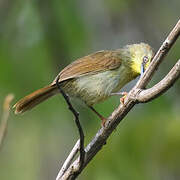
(159, 56)
(81, 134)
(69, 160)
(116, 117)
(161, 87)
(5, 115)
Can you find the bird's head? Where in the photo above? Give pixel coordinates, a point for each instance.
(140, 56)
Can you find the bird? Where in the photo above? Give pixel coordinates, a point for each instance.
(95, 77)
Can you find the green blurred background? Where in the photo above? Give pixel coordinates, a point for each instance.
(38, 38)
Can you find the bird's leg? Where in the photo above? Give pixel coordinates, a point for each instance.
(124, 94)
(103, 119)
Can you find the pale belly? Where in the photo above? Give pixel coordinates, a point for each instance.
(96, 88)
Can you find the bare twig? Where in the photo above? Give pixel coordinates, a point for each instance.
(69, 159)
(159, 56)
(81, 133)
(116, 117)
(4, 119)
(162, 86)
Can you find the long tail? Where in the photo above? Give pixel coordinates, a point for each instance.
(33, 99)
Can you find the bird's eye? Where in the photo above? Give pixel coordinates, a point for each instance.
(145, 59)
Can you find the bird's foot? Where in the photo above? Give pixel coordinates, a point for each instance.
(103, 121)
(124, 94)
(123, 98)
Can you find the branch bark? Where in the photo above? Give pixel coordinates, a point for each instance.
(69, 160)
(161, 87)
(136, 95)
(159, 56)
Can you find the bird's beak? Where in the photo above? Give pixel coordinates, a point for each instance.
(142, 69)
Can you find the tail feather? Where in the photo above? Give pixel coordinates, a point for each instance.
(33, 99)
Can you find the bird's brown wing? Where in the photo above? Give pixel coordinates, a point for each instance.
(93, 63)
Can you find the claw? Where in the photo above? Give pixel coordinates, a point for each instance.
(124, 94)
(103, 121)
(123, 98)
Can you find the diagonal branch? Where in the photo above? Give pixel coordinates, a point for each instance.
(118, 115)
(69, 160)
(81, 133)
(159, 56)
(161, 87)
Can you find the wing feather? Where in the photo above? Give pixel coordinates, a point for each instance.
(93, 63)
